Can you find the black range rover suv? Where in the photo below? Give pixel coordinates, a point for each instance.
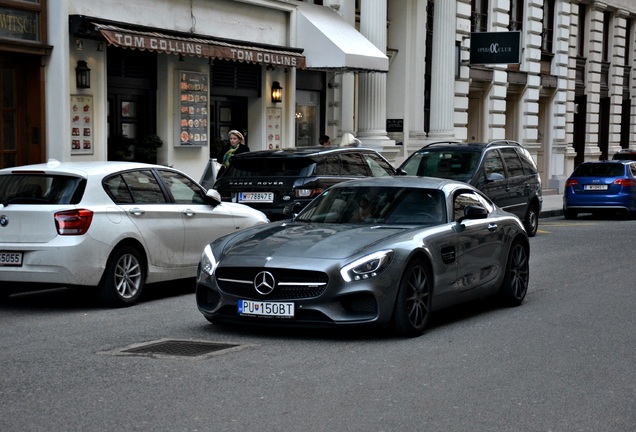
(270, 180)
(503, 170)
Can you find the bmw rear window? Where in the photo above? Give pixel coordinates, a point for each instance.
(599, 170)
(40, 189)
(270, 167)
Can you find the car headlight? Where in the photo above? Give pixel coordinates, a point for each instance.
(367, 267)
(208, 262)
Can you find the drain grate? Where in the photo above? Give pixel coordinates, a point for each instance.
(176, 348)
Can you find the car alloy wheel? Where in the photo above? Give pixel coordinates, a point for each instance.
(413, 303)
(123, 278)
(532, 221)
(515, 284)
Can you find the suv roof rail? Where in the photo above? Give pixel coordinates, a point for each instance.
(505, 142)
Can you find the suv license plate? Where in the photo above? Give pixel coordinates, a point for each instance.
(13, 259)
(595, 187)
(255, 197)
(266, 309)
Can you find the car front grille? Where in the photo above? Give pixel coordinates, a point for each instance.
(289, 284)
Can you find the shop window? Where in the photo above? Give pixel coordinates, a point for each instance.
(307, 118)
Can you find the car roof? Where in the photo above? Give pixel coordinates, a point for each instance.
(82, 169)
(300, 152)
(467, 147)
(406, 181)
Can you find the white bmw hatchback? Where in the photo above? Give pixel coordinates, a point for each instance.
(111, 225)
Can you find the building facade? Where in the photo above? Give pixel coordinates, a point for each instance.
(99, 81)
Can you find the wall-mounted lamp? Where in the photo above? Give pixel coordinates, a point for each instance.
(79, 44)
(277, 92)
(82, 75)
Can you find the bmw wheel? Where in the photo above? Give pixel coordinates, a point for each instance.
(124, 277)
(515, 284)
(531, 221)
(414, 299)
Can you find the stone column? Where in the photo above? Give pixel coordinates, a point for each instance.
(443, 70)
(372, 86)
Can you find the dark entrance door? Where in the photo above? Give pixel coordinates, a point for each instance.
(131, 102)
(226, 114)
(579, 129)
(21, 96)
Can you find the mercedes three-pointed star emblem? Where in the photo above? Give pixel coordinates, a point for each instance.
(264, 283)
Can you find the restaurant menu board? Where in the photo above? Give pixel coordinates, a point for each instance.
(81, 124)
(274, 116)
(193, 104)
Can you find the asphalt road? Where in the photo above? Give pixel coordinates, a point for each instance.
(562, 361)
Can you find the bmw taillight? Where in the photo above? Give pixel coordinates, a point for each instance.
(73, 222)
(308, 193)
(571, 182)
(624, 182)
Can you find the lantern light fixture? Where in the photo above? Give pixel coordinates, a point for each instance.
(82, 75)
(277, 92)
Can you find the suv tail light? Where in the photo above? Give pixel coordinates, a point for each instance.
(308, 193)
(571, 182)
(624, 182)
(73, 222)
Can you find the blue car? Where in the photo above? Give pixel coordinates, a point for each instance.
(601, 187)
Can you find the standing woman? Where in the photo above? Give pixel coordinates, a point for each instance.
(236, 146)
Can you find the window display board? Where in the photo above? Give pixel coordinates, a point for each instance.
(193, 109)
(274, 117)
(81, 124)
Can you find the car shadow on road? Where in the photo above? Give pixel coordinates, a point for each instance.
(85, 298)
(438, 320)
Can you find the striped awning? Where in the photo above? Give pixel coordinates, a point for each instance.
(132, 38)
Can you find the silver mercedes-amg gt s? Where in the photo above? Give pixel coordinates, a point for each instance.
(376, 251)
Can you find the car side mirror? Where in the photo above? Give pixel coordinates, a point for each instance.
(475, 212)
(292, 209)
(401, 171)
(495, 177)
(214, 195)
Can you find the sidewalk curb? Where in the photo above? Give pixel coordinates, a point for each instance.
(550, 213)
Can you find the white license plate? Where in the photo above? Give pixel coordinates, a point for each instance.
(595, 187)
(11, 259)
(266, 309)
(256, 197)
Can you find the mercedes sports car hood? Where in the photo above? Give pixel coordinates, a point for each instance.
(291, 239)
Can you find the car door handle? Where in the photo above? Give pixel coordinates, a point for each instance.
(492, 227)
(189, 212)
(136, 211)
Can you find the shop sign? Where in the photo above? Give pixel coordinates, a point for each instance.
(495, 47)
(395, 125)
(19, 24)
(202, 48)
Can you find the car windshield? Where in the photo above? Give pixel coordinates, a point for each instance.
(450, 164)
(599, 170)
(40, 189)
(624, 156)
(269, 167)
(377, 205)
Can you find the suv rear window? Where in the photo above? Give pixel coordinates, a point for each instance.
(270, 167)
(40, 189)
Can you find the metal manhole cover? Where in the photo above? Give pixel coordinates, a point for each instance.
(176, 348)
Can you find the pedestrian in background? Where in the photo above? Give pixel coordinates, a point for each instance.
(235, 146)
(325, 140)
